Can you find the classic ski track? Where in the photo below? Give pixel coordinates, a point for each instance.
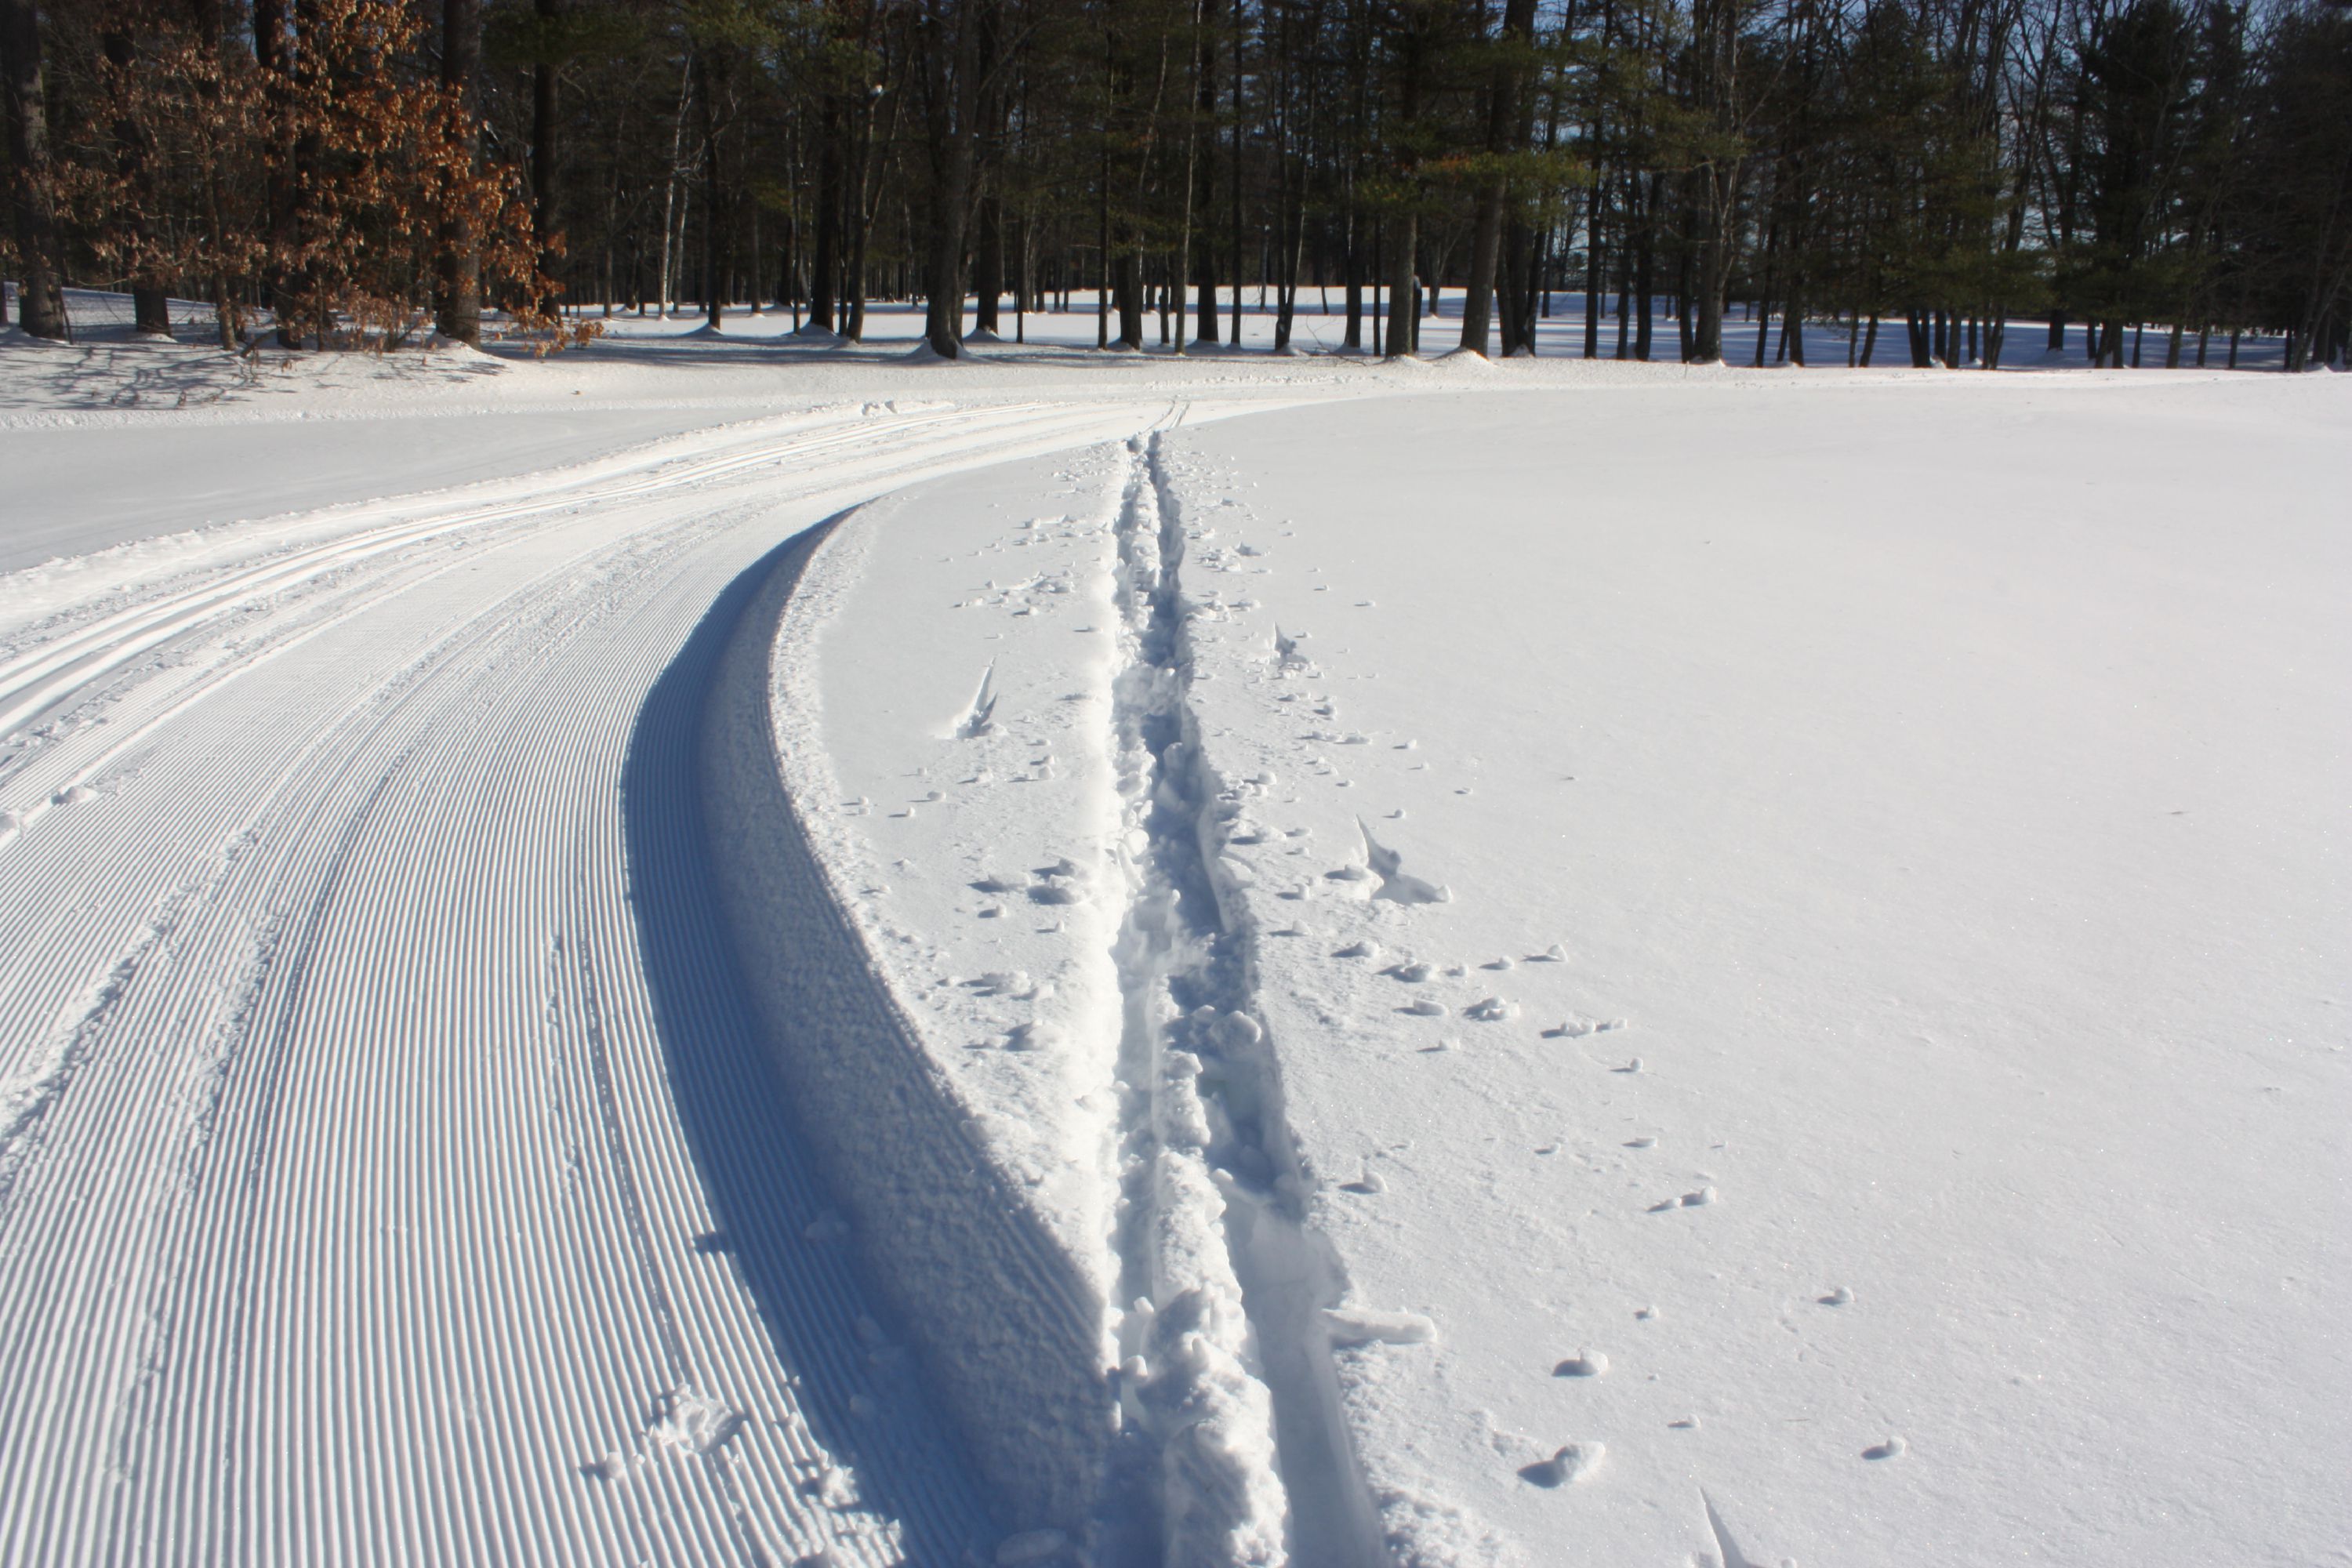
(351, 1208)
(33, 681)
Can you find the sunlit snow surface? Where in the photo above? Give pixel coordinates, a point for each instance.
(1551, 963)
(1935, 1128)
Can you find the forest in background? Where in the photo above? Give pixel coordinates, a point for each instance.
(2155, 176)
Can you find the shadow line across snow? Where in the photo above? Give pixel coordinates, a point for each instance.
(800, 1081)
(771, 1175)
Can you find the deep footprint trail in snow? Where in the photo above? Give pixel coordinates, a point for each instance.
(390, 1164)
(1218, 1209)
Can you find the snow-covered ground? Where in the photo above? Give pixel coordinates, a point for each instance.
(718, 950)
(1881, 1066)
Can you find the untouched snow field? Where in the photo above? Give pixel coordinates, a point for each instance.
(816, 958)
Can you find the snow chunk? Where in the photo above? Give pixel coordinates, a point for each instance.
(1365, 1326)
(1574, 1462)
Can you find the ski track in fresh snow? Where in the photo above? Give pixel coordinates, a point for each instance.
(1149, 1364)
(1186, 948)
(400, 1166)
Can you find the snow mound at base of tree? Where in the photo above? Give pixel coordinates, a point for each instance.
(463, 352)
(12, 336)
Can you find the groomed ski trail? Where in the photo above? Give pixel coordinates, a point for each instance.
(388, 1163)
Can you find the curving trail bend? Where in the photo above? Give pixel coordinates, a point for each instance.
(389, 1169)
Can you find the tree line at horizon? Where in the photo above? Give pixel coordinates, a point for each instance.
(339, 172)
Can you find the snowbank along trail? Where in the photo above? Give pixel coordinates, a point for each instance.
(1082, 1195)
(391, 1166)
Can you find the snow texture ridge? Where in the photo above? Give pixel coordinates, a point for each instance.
(1011, 1329)
(1108, 1273)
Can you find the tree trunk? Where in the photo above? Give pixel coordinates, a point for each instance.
(1593, 217)
(1516, 286)
(1178, 263)
(951, 61)
(861, 220)
(1234, 183)
(667, 279)
(1127, 287)
(40, 296)
(825, 264)
(755, 274)
(1294, 260)
(1102, 243)
(1204, 312)
(281, 193)
(1646, 281)
(988, 267)
(1714, 272)
(1404, 228)
(542, 148)
(207, 17)
(1402, 317)
(1683, 303)
(1623, 263)
(151, 309)
(1354, 338)
(716, 233)
(1502, 123)
(458, 299)
(1204, 260)
(1024, 295)
(1714, 26)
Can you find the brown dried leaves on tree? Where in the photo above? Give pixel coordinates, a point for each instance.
(318, 167)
